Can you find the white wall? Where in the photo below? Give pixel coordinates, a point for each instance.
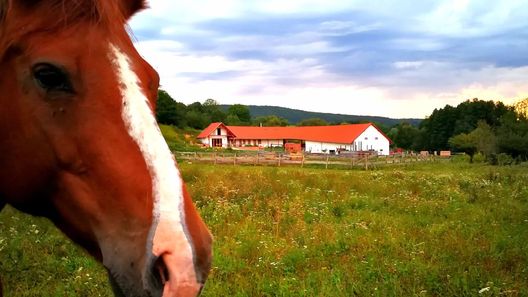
(272, 143)
(209, 140)
(223, 132)
(214, 135)
(263, 143)
(372, 139)
(324, 147)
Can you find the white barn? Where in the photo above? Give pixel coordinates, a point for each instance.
(314, 139)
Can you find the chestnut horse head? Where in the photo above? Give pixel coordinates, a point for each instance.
(79, 144)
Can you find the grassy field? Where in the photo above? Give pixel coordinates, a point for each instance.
(440, 229)
(183, 140)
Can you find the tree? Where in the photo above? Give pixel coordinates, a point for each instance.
(233, 120)
(197, 120)
(405, 135)
(383, 127)
(512, 136)
(270, 121)
(201, 115)
(168, 111)
(438, 128)
(481, 140)
(485, 139)
(210, 102)
(465, 143)
(241, 112)
(313, 122)
(521, 108)
(196, 106)
(211, 108)
(470, 112)
(450, 121)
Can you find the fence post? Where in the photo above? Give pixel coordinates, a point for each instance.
(327, 157)
(302, 161)
(214, 156)
(279, 159)
(366, 162)
(234, 159)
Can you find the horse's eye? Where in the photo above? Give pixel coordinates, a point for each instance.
(51, 78)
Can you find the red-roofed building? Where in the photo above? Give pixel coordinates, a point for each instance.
(314, 139)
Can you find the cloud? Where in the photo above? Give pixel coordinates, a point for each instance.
(391, 55)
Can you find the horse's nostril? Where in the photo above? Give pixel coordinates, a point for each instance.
(160, 271)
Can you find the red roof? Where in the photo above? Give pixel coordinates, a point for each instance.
(211, 128)
(331, 134)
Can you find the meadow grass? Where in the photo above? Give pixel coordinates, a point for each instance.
(438, 229)
(183, 140)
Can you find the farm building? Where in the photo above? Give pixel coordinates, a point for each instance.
(313, 139)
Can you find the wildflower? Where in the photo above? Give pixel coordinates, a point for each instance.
(486, 289)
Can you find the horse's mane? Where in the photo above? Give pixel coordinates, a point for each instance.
(58, 14)
(72, 11)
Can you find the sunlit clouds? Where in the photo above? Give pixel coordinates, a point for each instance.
(397, 59)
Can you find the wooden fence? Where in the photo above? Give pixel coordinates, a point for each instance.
(284, 159)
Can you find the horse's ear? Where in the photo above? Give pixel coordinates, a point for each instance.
(132, 7)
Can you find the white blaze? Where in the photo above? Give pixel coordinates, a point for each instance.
(168, 234)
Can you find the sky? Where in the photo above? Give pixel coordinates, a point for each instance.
(398, 59)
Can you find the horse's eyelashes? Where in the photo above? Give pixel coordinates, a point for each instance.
(52, 78)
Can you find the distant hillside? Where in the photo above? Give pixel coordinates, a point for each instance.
(294, 115)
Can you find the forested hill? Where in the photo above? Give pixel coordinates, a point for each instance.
(294, 116)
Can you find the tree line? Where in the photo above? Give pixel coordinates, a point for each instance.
(199, 115)
(473, 126)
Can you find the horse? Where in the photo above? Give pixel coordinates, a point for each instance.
(79, 144)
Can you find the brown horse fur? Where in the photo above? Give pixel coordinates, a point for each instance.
(68, 156)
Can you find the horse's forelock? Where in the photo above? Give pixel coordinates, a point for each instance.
(75, 10)
(69, 11)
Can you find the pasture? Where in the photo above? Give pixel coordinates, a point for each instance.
(437, 229)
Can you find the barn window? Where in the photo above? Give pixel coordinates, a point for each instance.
(218, 131)
(366, 138)
(376, 138)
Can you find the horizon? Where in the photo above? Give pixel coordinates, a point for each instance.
(333, 113)
(395, 60)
